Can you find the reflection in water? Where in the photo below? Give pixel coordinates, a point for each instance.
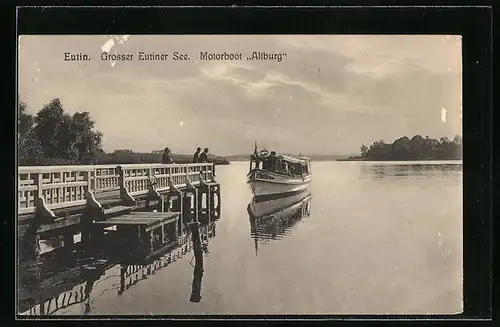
(415, 170)
(198, 268)
(52, 288)
(197, 278)
(51, 284)
(272, 219)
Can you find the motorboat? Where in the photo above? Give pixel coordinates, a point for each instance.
(272, 175)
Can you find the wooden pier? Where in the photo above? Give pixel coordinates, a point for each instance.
(63, 201)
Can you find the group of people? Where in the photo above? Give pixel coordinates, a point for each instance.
(197, 157)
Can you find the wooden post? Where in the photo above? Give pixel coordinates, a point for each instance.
(209, 203)
(30, 244)
(121, 180)
(39, 185)
(122, 279)
(195, 234)
(181, 205)
(96, 232)
(197, 208)
(85, 234)
(89, 181)
(181, 217)
(198, 269)
(124, 193)
(151, 234)
(68, 240)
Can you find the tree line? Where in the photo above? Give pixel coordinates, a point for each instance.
(416, 148)
(54, 137)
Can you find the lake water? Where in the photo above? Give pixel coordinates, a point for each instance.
(380, 238)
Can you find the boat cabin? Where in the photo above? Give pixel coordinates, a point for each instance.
(280, 164)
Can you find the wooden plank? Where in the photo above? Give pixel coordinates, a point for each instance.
(61, 223)
(154, 214)
(120, 222)
(108, 201)
(114, 194)
(129, 217)
(161, 223)
(136, 220)
(118, 209)
(144, 220)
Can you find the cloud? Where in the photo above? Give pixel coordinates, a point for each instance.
(272, 80)
(368, 87)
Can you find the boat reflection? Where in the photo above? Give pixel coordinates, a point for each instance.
(272, 219)
(56, 282)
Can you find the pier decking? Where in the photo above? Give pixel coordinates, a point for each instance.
(148, 219)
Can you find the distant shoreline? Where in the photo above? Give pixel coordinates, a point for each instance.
(413, 160)
(364, 160)
(402, 160)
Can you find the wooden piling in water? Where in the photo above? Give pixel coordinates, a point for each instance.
(197, 247)
(68, 240)
(198, 268)
(123, 270)
(30, 245)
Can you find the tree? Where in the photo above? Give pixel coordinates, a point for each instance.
(123, 152)
(364, 150)
(24, 121)
(62, 138)
(29, 148)
(457, 140)
(86, 141)
(48, 121)
(444, 140)
(417, 148)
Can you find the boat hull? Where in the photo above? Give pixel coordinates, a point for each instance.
(268, 184)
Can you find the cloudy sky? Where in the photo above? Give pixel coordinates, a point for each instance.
(330, 94)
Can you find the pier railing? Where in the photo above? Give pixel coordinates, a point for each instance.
(59, 187)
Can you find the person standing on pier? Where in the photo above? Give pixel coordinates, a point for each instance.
(166, 158)
(196, 155)
(204, 156)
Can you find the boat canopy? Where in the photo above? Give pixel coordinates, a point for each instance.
(280, 163)
(264, 155)
(301, 160)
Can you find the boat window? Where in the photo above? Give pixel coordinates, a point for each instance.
(267, 164)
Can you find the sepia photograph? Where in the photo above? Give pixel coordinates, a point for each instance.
(239, 175)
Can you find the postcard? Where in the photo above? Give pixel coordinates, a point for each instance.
(239, 175)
